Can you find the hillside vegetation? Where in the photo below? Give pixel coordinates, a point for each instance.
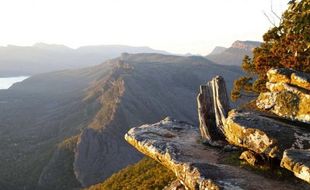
(38, 114)
(146, 174)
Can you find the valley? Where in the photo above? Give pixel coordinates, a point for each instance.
(78, 118)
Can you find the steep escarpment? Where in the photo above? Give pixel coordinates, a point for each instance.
(146, 88)
(145, 174)
(59, 173)
(98, 104)
(36, 115)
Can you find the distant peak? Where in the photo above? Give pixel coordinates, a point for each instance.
(245, 45)
(218, 50)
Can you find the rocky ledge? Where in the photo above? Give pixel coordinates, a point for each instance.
(298, 162)
(177, 145)
(273, 133)
(265, 135)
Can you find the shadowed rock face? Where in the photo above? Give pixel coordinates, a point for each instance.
(213, 107)
(176, 145)
(298, 162)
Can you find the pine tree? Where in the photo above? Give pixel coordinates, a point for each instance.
(284, 46)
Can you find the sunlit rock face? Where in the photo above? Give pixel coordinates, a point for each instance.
(177, 145)
(288, 96)
(298, 162)
(264, 135)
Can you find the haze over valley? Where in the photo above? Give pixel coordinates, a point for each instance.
(150, 95)
(91, 105)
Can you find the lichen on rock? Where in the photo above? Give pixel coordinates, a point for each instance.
(289, 95)
(177, 146)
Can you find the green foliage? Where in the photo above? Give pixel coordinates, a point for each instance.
(59, 172)
(284, 46)
(146, 174)
(241, 83)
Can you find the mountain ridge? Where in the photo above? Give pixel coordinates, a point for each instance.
(235, 53)
(140, 88)
(42, 57)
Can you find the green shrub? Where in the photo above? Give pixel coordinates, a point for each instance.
(146, 174)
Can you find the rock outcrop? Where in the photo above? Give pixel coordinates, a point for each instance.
(298, 162)
(264, 135)
(213, 107)
(276, 130)
(177, 146)
(289, 95)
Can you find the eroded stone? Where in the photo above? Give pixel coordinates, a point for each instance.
(289, 95)
(264, 135)
(213, 107)
(297, 161)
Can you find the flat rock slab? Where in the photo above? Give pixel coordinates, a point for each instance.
(177, 146)
(297, 161)
(265, 135)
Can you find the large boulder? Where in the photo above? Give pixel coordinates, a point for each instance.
(297, 161)
(177, 145)
(263, 134)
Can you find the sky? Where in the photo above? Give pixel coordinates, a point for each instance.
(177, 26)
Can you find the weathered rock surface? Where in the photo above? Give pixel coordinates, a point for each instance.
(177, 146)
(289, 95)
(213, 107)
(297, 161)
(264, 135)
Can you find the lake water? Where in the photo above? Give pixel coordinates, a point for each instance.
(7, 82)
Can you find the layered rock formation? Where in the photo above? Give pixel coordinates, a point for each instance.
(298, 162)
(267, 138)
(289, 94)
(264, 135)
(177, 146)
(213, 107)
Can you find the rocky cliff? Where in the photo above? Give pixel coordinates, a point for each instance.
(142, 88)
(264, 137)
(234, 54)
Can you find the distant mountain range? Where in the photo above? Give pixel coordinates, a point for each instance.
(234, 54)
(65, 129)
(41, 58)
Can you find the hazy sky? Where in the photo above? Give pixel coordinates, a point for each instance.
(178, 26)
